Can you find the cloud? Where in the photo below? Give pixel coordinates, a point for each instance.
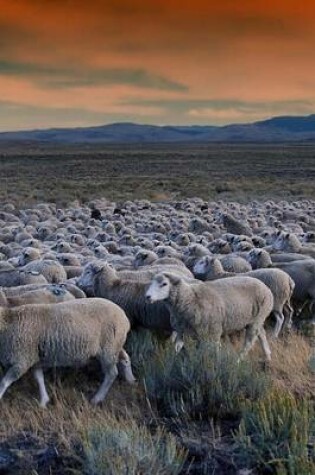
(15, 116)
(61, 78)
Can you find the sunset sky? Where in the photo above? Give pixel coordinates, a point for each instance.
(89, 62)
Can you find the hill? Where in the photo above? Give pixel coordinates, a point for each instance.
(277, 129)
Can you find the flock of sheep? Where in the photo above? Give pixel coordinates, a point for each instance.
(74, 281)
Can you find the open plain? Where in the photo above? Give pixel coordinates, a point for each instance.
(30, 173)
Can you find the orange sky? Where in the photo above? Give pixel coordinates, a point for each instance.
(85, 62)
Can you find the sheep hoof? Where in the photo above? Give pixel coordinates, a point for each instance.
(94, 401)
(43, 403)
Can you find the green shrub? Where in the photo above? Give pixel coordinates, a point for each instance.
(199, 381)
(123, 447)
(277, 434)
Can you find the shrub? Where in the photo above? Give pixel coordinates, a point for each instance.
(277, 434)
(199, 381)
(122, 447)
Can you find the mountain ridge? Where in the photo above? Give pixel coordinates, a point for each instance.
(274, 129)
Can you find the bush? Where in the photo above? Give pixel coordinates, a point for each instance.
(277, 434)
(199, 381)
(122, 447)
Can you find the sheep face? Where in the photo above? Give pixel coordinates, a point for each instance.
(86, 280)
(159, 289)
(201, 266)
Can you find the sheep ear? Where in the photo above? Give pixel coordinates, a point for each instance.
(173, 278)
(98, 271)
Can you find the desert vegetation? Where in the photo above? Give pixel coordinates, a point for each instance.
(30, 173)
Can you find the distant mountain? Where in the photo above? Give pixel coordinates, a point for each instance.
(277, 129)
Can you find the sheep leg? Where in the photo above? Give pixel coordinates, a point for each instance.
(279, 322)
(173, 336)
(179, 342)
(124, 367)
(110, 376)
(12, 375)
(288, 313)
(251, 335)
(39, 377)
(264, 344)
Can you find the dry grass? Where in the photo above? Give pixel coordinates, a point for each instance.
(32, 431)
(32, 173)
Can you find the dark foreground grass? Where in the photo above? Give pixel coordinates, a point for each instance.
(135, 423)
(32, 173)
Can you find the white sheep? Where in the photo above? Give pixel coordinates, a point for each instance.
(54, 294)
(53, 271)
(15, 277)
(215, 309)
(59, 335)
(278, 281)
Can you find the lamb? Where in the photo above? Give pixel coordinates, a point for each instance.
(279, 282)
(215, 309)
(58, 335)
(53, 294)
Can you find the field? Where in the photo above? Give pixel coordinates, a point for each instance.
(33, 173)
(199, 412)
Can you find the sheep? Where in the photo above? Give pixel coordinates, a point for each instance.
(233, 263)
(215, 309)
(53, 294)
(73, 271)
(86, 280)
(69, 259)
(58, 335)
(194, 252)
(144, 258)
(234, 226)
(259, 258)
(17, 291)
(289, 242)
(51, 270)
(104, 281)
(303, 274)
(29, 254)
(15, 277)
(279, 282)
(287, 257)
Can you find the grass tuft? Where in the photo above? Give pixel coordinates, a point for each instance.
(277, 434)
